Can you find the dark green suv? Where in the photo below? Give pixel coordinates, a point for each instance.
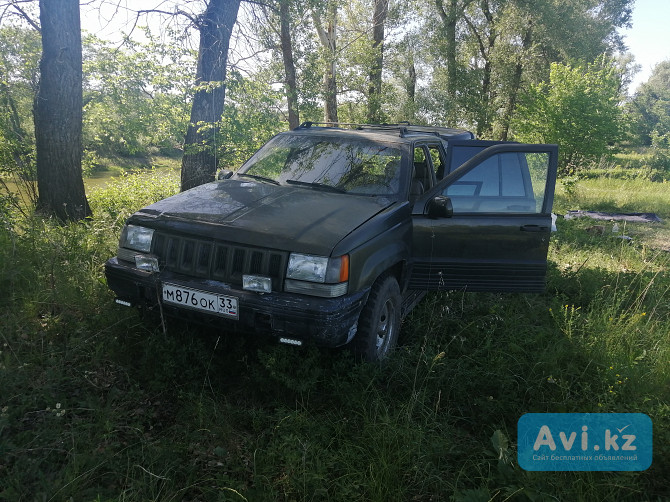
(330, 235)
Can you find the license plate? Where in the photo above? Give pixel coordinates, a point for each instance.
(200, 300)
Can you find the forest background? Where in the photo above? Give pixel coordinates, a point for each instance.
(513, 69)
(97, 405)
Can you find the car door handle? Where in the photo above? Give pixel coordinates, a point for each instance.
(534, 228)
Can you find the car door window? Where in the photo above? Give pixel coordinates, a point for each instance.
(422, 174)
(509, 182)
(422, 167)
(437, 159)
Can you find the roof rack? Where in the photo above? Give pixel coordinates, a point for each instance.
(307, 125)
(404, 128)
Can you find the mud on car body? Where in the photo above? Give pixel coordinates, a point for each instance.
(331, 236)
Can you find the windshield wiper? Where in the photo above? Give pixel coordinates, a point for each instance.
(316, 184)
(259, 178)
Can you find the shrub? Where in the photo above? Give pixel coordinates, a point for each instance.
(131, 191)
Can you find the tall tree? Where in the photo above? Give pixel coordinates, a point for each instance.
(290, 80)
(199, 162)
(327, 32)
(379, 15)
(486, 52)
(515, 86)
(485, 42)
(451, 15)
(650, 107)
(58, 113)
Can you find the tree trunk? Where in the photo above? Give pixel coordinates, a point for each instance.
(486, 44)
(328, 40)
(199, 162)
(411, 90)
(449, 17)
(516, 84)
(58, 113)
(375, 87)
(289, 64)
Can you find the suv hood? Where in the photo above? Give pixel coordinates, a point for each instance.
(264, 215)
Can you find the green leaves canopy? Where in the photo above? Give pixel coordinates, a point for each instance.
(579, 109)
(137, 96)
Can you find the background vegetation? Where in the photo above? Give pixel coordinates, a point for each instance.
(97, 404)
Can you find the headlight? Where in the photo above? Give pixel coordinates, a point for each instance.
(305, 270)
(137, 238)
(305, 267)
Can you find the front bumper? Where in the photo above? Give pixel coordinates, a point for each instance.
(329, 322)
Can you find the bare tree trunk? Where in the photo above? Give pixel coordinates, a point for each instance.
(449, 17)
(411, 90)
(375, 87)
(58, 113)
(289, 64)
(516, 85)
(486, 44)
(327, 36)
(199, 162)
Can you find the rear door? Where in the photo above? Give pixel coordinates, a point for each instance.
(498, 236)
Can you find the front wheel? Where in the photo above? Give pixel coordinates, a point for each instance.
(379, 322)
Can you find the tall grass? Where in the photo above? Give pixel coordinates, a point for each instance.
(95, 404)
(608, 194)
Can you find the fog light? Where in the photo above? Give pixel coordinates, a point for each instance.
(148, 263)
(291, 341)
(257, 283)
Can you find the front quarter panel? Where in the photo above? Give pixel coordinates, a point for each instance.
(379, 244)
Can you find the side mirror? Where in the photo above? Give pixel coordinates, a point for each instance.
(440, 207)
(223, 174)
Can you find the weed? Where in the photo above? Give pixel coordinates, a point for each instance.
(95, 405)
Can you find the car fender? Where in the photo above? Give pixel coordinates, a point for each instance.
(379, 254)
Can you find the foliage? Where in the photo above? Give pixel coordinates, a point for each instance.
(132, 191)
(98, 405)
(498, 49)
(137, 97)
(650, 108)
(578, 109)
(250, 118)
(137, 94)
(479, 56)
(19, 60)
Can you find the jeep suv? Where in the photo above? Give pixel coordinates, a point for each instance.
(330, 235)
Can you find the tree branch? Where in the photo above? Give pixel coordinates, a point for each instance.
(27, 18)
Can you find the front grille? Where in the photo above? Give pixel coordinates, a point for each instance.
(224, 262)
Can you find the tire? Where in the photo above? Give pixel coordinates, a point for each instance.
(379, 322)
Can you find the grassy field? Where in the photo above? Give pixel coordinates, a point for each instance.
(96, 405)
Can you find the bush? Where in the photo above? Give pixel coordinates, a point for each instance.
(577, 109)
(132, 191)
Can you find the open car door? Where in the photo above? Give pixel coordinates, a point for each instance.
(485, 226)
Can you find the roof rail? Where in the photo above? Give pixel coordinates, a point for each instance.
(404, 128)
(308, 124)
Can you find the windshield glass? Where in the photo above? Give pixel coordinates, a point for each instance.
(352, 165)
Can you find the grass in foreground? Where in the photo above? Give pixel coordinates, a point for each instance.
(97, 405)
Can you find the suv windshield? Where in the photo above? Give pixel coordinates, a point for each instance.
(351, 165)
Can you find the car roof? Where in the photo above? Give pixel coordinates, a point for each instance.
(388, 132)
